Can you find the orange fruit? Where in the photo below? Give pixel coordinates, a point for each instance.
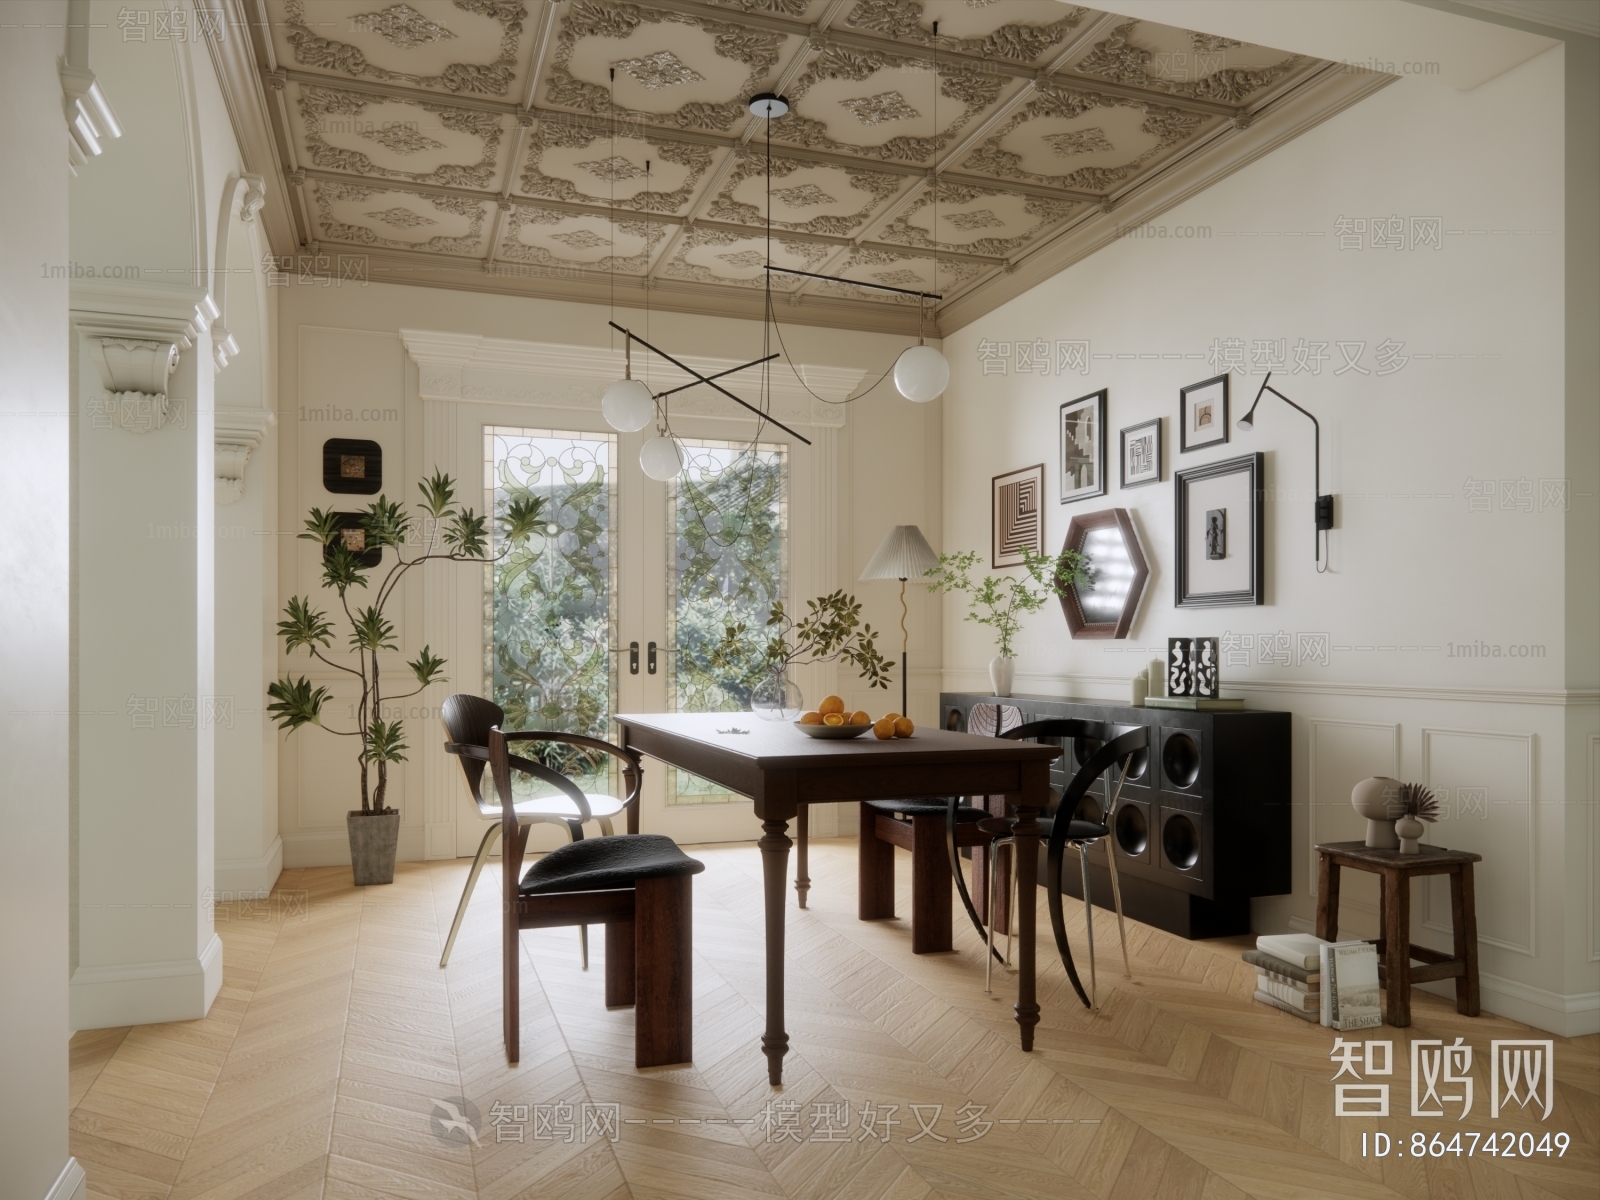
(904, 728)
(835, 719)
(890, 716)
(831, 704)
(860, 717)
(883, 730)
(811, 718)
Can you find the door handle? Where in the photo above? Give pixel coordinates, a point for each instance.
(652, 658)
(633, 658)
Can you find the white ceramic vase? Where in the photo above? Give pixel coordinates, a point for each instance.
(1409, 831)
(1002, 671)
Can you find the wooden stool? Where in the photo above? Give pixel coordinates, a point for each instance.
(1395, 951)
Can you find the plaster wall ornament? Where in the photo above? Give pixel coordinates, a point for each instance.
(402, 139)
(134, 333)
(663, 69)
(224, 346)
(875, 110)
(90, 120)
(403, 26)
(255, 196)
(238, 432)
(978, 218)
(493, 78)
(803, 196)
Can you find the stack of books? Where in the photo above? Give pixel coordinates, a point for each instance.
(1335, 983)
(1289, 973)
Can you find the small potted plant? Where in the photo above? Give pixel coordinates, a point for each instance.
(1418, 805)
(830, 630)
(452, 535)
(1001, 601)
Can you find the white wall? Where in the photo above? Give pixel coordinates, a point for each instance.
(34, 507)
(340, 351)
(1415, 569)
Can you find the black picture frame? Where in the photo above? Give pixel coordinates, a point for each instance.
(1134, 431)
(1016, 516)
(1250, 492)
(352, 466)
(1207, 390)
(1072, 411)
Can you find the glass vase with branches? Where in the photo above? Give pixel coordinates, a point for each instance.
(449, 533)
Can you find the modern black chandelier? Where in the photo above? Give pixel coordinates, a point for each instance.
(921, 372)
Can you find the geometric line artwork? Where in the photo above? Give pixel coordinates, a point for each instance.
(1018, 515)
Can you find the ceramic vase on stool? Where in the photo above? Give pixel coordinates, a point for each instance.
(1378, 800)
(1409, 831)
(1002, 671)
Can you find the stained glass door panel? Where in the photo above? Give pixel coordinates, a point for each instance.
(727, 553)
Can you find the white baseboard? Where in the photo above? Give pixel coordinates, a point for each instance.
(332, 849)
(249, 878)
(71, 1184)
(146, 993)
(1564, 1016)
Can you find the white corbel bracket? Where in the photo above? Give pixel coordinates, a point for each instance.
(237, 433)
(135, 332)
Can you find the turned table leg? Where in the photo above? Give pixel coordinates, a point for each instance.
(774, 847)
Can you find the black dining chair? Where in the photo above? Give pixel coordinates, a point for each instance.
(1114, 745)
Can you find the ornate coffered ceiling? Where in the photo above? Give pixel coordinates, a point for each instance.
(585, 148)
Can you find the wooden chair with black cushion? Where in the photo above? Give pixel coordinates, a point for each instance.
(917, 826)
(467, 720)
(640, 886)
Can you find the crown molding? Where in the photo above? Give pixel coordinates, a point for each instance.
(1328, 93)
(469, 367)
(1573, 16)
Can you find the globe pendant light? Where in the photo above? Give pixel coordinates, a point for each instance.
(660, 458)
(921, 373)
(627, 404)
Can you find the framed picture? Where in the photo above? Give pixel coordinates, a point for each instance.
(1105, 605)
(1017, 513)
(1203, 414)
(1083, 447)
(1141, 454)
(1219, 540)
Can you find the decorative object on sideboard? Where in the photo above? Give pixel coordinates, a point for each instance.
(1193, 668)
(1378, 800)
(352, 466)
(1016, 511)
(1156, 672)
(1082, 446)
(1141, 454)
(1219, 540)
(1417, 805)
(1203, 414)
(1102, 599)
(1323, 513)
(451, 533)
(831, 630)
(1001, 601)
(1140, 690)
(905, 554)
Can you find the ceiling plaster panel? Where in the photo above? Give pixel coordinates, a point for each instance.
(398, 219)
(548, 238)
(360, 133)
(473, 47)
(725, 257)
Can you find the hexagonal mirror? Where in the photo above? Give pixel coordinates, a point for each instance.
(1105, 606)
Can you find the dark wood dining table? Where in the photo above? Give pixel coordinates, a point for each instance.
(781, 769)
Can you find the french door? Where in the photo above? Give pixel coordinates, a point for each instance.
(616, 603)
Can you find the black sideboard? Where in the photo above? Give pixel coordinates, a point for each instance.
(1204, 819)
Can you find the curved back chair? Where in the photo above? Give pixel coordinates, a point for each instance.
(1118, 744)
(468, 720)
(639, 886)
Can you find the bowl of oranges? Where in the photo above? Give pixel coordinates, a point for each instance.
(831, 719)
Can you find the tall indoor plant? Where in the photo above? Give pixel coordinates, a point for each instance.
(448, 533)
(1001, 601)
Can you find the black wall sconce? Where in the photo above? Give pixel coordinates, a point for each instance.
(1324, 509)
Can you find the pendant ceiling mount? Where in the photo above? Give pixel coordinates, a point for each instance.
(768, 105)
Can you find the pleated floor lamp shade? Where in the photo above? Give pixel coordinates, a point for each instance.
(904, 554)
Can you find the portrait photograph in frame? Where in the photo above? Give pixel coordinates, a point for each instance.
(1082, 445)
(1017, 516)
(1141, 454)
(1219, 541)
(1203, 414)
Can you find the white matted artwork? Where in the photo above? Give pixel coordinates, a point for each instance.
(1203, 414)
(1017, 512)
(1219, 538)
(1083, 447)
(1141, 454)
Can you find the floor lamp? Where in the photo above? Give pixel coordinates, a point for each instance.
(904, 554)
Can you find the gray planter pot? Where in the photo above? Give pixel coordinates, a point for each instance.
(373, 841)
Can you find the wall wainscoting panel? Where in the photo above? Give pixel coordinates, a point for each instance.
(1340, 755)
(1485, 784)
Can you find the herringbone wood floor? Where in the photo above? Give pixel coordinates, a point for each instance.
(316, 1072)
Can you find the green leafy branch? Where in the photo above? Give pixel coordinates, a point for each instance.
(830, 630)
(1001, 601)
